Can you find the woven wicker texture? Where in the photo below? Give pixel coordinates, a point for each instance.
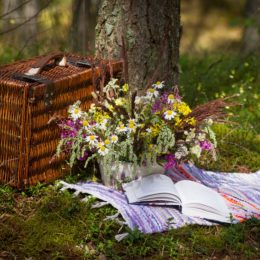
(28, 140)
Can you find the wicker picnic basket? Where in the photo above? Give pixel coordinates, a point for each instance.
(31, 93)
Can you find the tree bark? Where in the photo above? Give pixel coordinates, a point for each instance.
(251, 39)
(151, 31)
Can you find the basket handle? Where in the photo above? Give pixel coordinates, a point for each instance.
(58, 58)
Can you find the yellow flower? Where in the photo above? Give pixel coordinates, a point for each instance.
(155, 130)
(110, 107)
(100, 117)
(85, 123)
(182, 108)
(107, 142)
(150, 147)
(120, 101)
(178, 121)
(125, 87)
(94, 178)
(190, 121)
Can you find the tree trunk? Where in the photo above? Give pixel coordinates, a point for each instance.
(251, 39)
(151, 31)
(83, 25)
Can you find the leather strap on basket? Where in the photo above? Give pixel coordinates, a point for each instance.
(58, 58)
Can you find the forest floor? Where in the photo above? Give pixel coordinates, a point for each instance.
(43, 223)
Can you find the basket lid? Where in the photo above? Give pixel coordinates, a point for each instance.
(50, 68)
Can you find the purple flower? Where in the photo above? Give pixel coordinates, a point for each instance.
(156, 106)
(69, 128)
(177, 96)
(67, 134)
(171, 162)
(69, 123)
(205, 145)
(84, 157)
(164, 98)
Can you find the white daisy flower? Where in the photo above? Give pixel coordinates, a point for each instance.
(103, 150)
(138, 100)
(190, 135)
(121, 128)
(182, 151)
(131, 125)
(201, 136)
(170, 99)
(148, 130)
(103, 124)
(85, 124)
(169, 114)
(75, 112)
(92, 139)
(120, 101)
(209, 121)
(92, 108)
(100, 144)
(114, 139)
(158, 85)
(151, 92)
(196, 150)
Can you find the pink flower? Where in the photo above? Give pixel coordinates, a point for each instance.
(171, 162)
(205, 145)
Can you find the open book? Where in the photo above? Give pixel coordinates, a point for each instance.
(194, 198)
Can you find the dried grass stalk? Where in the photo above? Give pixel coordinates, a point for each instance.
(214, 109)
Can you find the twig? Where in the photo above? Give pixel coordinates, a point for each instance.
(10, 160)
(103, 77)
(110, 69)
(14, 9)
(28, 40)
(133, 104)
(119, 109)
(125, 61)
(26, 21)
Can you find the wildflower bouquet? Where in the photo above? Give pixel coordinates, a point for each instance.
(143, 129)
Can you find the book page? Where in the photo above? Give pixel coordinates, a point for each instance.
(205, 214)
(153, 187)
(196, 195)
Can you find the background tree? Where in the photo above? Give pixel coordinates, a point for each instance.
(84, 19)
(251, 39)
(151, 30)
(17, 12)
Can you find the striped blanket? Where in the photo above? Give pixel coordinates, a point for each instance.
(241, 192)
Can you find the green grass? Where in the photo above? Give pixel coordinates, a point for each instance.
(213, 76)
(238, 150)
